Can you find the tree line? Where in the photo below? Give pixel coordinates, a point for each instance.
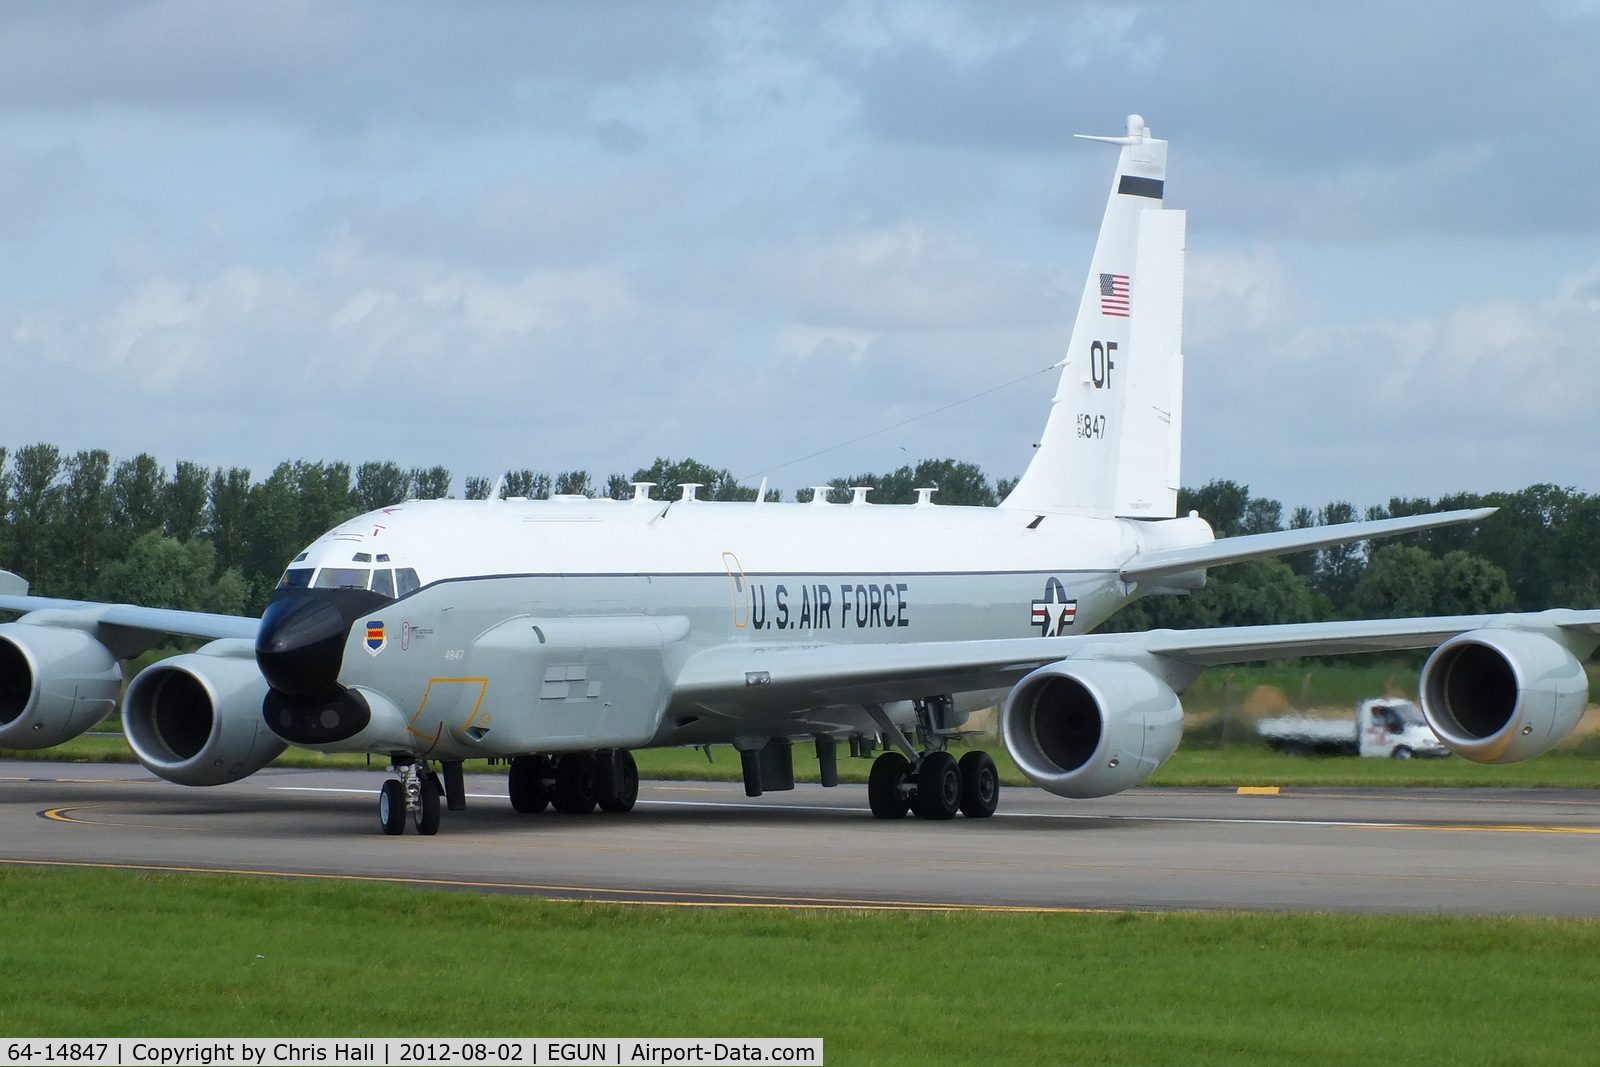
(83, 526)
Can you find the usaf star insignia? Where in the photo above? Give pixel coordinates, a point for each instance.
(1054, 614)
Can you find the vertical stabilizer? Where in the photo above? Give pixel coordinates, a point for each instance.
(1112, 444)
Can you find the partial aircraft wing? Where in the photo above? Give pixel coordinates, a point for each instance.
(854, 674)
(124, 628)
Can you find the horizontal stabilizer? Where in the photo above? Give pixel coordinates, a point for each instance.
(1152, 565)
(13, 584)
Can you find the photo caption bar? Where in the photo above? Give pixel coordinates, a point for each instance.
(403, 1052)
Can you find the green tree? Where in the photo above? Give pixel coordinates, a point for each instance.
(573, 483)
(1338, 567)
(1471, 585)
(163, 572)
(381, 485)
(326, 499)
(184, 502)
(1220, 502)
(138, 499)
(273, 519)
(476, 488)
(1257, 592)
(430, 483)
(526, 484)
(670, 478)
(83, 539)
(618, 487)
(228, 518)
(35, 504)
(5, 510)
(1400, 581)
(958, 484)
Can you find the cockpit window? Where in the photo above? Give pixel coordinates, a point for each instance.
(296, 578)
(341, 578)
(406, 581)
(383, 582)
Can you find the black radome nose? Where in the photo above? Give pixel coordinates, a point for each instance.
(300, 645)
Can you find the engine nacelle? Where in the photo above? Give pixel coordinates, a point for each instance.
(55, 683)
(1501, 696)
(196, 719)
(1090, 728)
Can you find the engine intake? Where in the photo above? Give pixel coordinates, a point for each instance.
(196, 719)
(1502, 696)
(1091, 728)
(55, 683)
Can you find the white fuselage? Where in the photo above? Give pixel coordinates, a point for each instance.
(726, 573)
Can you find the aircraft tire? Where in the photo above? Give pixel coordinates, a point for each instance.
(938, 787)
(624, 800)
(577, 784)
(427, 816)
(884, 793)
(392, 807)
(980, 785)
(525, 783)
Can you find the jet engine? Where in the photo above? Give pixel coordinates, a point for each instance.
(196, 719)
(1501, 696)
(1090, 728)
(55, 683)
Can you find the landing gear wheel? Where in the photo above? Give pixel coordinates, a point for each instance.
(980, 785)
(392, 807)
(886, 793)
(624, 799)
(577, 784)
(938, 787)
(525, 783)
(427, 813)
(1401, 752)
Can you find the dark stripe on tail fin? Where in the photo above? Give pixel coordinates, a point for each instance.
(1133, 185)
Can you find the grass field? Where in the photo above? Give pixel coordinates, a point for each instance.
(1232, 765)
(91, 953)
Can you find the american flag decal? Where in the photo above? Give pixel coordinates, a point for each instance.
(1114, 295)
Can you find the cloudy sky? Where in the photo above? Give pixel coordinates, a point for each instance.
(495, 235)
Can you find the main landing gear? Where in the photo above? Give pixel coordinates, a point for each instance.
(575, 783)
(933, 783)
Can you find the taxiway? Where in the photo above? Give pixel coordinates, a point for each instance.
(1529, 851)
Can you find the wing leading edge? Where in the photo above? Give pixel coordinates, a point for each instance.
(818, 675)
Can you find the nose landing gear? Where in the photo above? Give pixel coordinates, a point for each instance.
(417, 793)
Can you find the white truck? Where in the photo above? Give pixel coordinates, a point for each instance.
(1386, 727)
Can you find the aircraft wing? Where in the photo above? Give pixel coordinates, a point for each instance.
(1164, 562)
(817, 675)
(125, 627)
